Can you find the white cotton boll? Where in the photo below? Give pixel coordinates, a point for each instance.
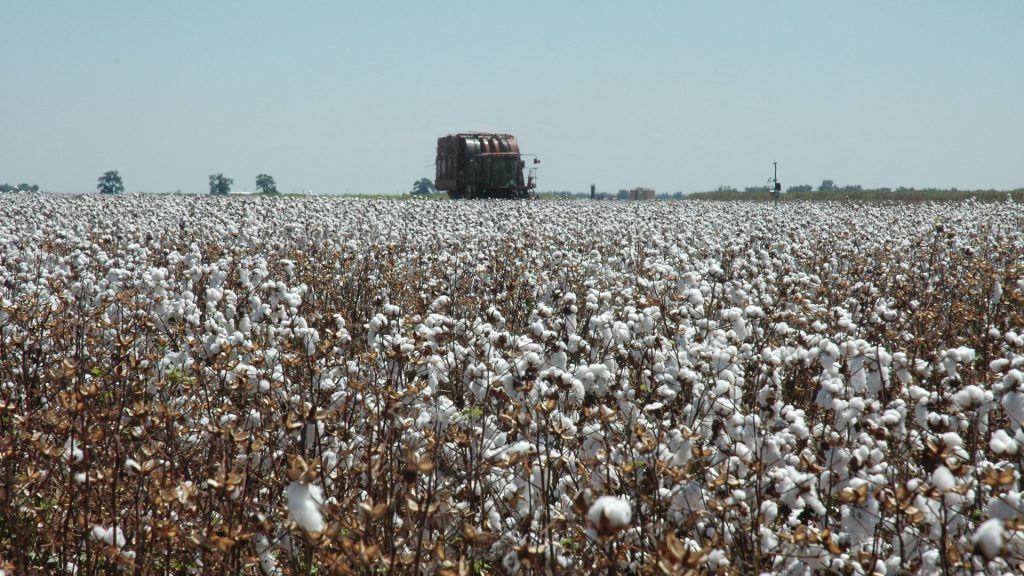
(268, 562)
(682, 449)
(109, 536)
(304, 506)
(739, 327)
(860, 522)
(1006, 507)
(73, 451)
(1013, 403)
(609, 514)
(479, 389)
(989, 538)
(998, 365)
(943, 479)
(440, 303)
(576, 393)
(963, 354)
(213, 295)
(291, 299)
(930, 562)
(1013, 379)
(951, 440)
(997, 293)
(970, 397)
(1003, 443)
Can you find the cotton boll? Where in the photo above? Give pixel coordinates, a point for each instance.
(1008, 506)
(971, 397)
(1003, 443)
(268, 562)
(440, 304)
(73, 451)
(930, 562)
(576, 393)
(943, 479)
(304, 503)
(609, 514)
(988, 540)
(859, 522)
(109, 536)
(998, 365)
(951, 440)
(1013, 403)
(996, 294)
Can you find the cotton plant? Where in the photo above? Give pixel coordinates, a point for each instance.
(366, 385)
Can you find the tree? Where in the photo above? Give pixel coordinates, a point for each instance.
(219, 184)
(423, 186)
(110, 183)
(800, 188)
(827, 186)
(265, 184)
(22, 187)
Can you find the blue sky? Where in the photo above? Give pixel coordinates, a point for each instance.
(351, 96)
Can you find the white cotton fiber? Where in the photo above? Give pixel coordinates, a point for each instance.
(268, 563)
(1003, 443)
(988, 540)
(1013, 403)
(943, 479)
(73, 451)
(109, 536)
(611, 511)
(304, 506)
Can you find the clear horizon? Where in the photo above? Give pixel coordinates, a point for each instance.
(351, 97)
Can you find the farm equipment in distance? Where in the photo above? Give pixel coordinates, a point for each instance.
(483, 165)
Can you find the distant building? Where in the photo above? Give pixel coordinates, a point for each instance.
(641, 194)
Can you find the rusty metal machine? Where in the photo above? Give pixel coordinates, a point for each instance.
(483, 165)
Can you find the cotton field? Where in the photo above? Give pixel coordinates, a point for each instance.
(321, 386)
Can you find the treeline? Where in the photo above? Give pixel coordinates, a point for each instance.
(110, 182)
(828, 190)
(23, 187)
(620, 195)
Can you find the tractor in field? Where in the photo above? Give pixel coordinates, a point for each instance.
(483, 165)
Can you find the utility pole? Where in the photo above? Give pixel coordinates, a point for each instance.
(776, 187)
